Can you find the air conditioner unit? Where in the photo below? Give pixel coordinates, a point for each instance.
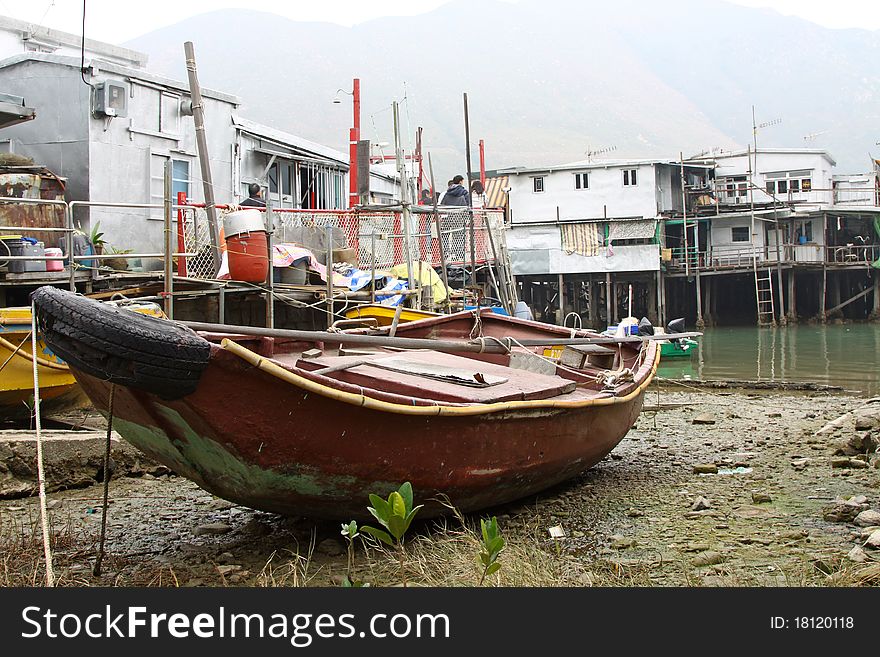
(111, 98)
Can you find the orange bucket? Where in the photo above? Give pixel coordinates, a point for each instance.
(248, 257)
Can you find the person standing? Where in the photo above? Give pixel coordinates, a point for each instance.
(456, 194)
(255, 197)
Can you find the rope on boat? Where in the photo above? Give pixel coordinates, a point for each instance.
(41, 361)
(41, 478)
(100, 556)
(3, 343)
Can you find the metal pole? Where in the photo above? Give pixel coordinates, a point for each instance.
(328, 231)
(467, 146)
(608, 318)
(440, 239)
(68, 214)
(482, 164)
(169, 273)
(752, 231)
(822, 315)
(502, 275)
(561, 297)
(353, 138)
(421, 343)
(202, 145)
(684, 217)
(373, 263)
(270, 284)
(404, 202)
(782, 318)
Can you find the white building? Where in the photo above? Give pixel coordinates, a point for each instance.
(589, 220)
(109, 126)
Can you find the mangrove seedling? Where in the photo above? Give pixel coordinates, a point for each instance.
(394, 514)
(350, 532)
(493, 544)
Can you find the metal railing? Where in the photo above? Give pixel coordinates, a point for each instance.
(727, 257)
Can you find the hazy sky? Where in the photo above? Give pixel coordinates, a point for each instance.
(116, 21)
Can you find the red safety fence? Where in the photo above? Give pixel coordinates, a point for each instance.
(377, 237)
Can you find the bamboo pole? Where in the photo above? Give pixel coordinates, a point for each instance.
(198, 111)
(493, 346)
(440, 239)
(404, 202)
(169, 274)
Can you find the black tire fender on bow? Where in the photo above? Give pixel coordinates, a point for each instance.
(119, 345)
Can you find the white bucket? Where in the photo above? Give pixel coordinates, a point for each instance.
(242, 221)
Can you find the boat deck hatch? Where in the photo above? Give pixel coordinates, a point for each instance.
(439, 376)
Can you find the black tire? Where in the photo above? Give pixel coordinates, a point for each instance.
(121, 346)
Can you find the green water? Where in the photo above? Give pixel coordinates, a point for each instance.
(841, 355)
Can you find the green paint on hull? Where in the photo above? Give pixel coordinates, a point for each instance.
(218, 471)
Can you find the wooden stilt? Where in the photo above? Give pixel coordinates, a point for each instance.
(609, 293)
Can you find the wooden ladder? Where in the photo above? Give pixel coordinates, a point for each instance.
(764, 297)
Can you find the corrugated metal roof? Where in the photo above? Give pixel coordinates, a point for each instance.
(286, 139)
(496, 196)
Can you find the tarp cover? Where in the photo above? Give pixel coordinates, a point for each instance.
(631, 230)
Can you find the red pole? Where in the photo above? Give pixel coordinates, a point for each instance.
(354, 136)
(421, 170)
(181, 227)
(482, 165)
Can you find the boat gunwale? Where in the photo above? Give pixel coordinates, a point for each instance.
(271, 367)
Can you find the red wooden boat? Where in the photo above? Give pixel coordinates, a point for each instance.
(302, 427)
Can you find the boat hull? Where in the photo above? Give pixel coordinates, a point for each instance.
(684, 348)
(258, 429)
(57, 384)
(284, 450)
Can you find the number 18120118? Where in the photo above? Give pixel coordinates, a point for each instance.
(824, 622)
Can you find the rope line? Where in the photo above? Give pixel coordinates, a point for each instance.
(100, 556)
(41, 475)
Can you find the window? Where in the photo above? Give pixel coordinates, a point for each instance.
(180, 182)
(629, 178)
(789, 182)
(169, 113)
(179, 178)
(804, 232)
(582, 180)
(538, 184)
(740, 234)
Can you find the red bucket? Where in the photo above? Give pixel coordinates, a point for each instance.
(248, 257)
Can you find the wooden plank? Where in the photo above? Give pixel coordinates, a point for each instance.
(519, 384)
(850, 300)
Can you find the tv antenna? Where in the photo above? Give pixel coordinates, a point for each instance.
(709, 151)
(590, 152)
(812, 136)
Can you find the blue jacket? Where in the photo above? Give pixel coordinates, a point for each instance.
(456, 195)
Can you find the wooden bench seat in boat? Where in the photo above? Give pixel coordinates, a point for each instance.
(439, 376)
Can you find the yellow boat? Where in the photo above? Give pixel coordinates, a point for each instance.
(57, 385)
(385, 314)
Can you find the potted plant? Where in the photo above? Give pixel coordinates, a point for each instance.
(96, 237)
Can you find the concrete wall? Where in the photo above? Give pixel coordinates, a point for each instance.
(128, 155)
(18, 37)
(538, 250)
(59, 135)
(606, 194)
(769, 162)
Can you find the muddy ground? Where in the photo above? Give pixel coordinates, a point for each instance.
(730, 488)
